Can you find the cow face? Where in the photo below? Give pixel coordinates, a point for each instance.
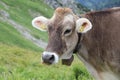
(63, 29)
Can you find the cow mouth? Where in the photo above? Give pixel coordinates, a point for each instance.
(46, 63)
(66, 62)
(50, 58)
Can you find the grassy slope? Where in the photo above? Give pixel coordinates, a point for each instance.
(20, 11)
(9, 35)
(17, 63)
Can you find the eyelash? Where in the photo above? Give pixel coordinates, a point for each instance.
(67, 32)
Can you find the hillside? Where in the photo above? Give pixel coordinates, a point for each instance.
(20, 44)
(18, 15)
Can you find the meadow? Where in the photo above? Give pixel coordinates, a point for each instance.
(21, 64)
(19, 57)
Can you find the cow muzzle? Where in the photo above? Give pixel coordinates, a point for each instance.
(49, 58)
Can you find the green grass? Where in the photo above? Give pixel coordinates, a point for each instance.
(10, 36)
(20, 64)
(19, 11)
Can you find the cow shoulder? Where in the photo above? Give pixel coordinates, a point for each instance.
(103, 41)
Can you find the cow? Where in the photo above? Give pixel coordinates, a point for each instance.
(94, 37)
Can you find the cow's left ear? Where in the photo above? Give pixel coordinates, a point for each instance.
(83, 25)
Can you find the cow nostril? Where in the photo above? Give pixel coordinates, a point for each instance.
(48, 59)
(52, 58)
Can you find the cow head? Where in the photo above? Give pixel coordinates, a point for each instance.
(63, 29)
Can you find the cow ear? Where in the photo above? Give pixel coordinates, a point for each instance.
(40, 23)
(68, 62)
(83, 25)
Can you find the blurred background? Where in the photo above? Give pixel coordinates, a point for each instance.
(21, 45)
(82, 6)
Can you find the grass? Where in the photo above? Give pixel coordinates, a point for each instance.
(10, 36)
(20, 64)
(21, 11)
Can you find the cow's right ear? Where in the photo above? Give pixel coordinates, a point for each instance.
(40, 23)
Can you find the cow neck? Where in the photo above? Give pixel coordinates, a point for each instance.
(78, 45)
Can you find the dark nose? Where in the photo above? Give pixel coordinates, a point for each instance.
(48, 59)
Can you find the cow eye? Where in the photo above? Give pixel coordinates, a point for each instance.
(68, 31)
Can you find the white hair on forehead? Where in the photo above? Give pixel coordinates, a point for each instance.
(69, 18)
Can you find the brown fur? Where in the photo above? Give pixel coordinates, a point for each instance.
(103, 41)
(55, 30)
(62, 11)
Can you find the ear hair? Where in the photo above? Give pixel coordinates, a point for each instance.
(40, 23)
(83, 25)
